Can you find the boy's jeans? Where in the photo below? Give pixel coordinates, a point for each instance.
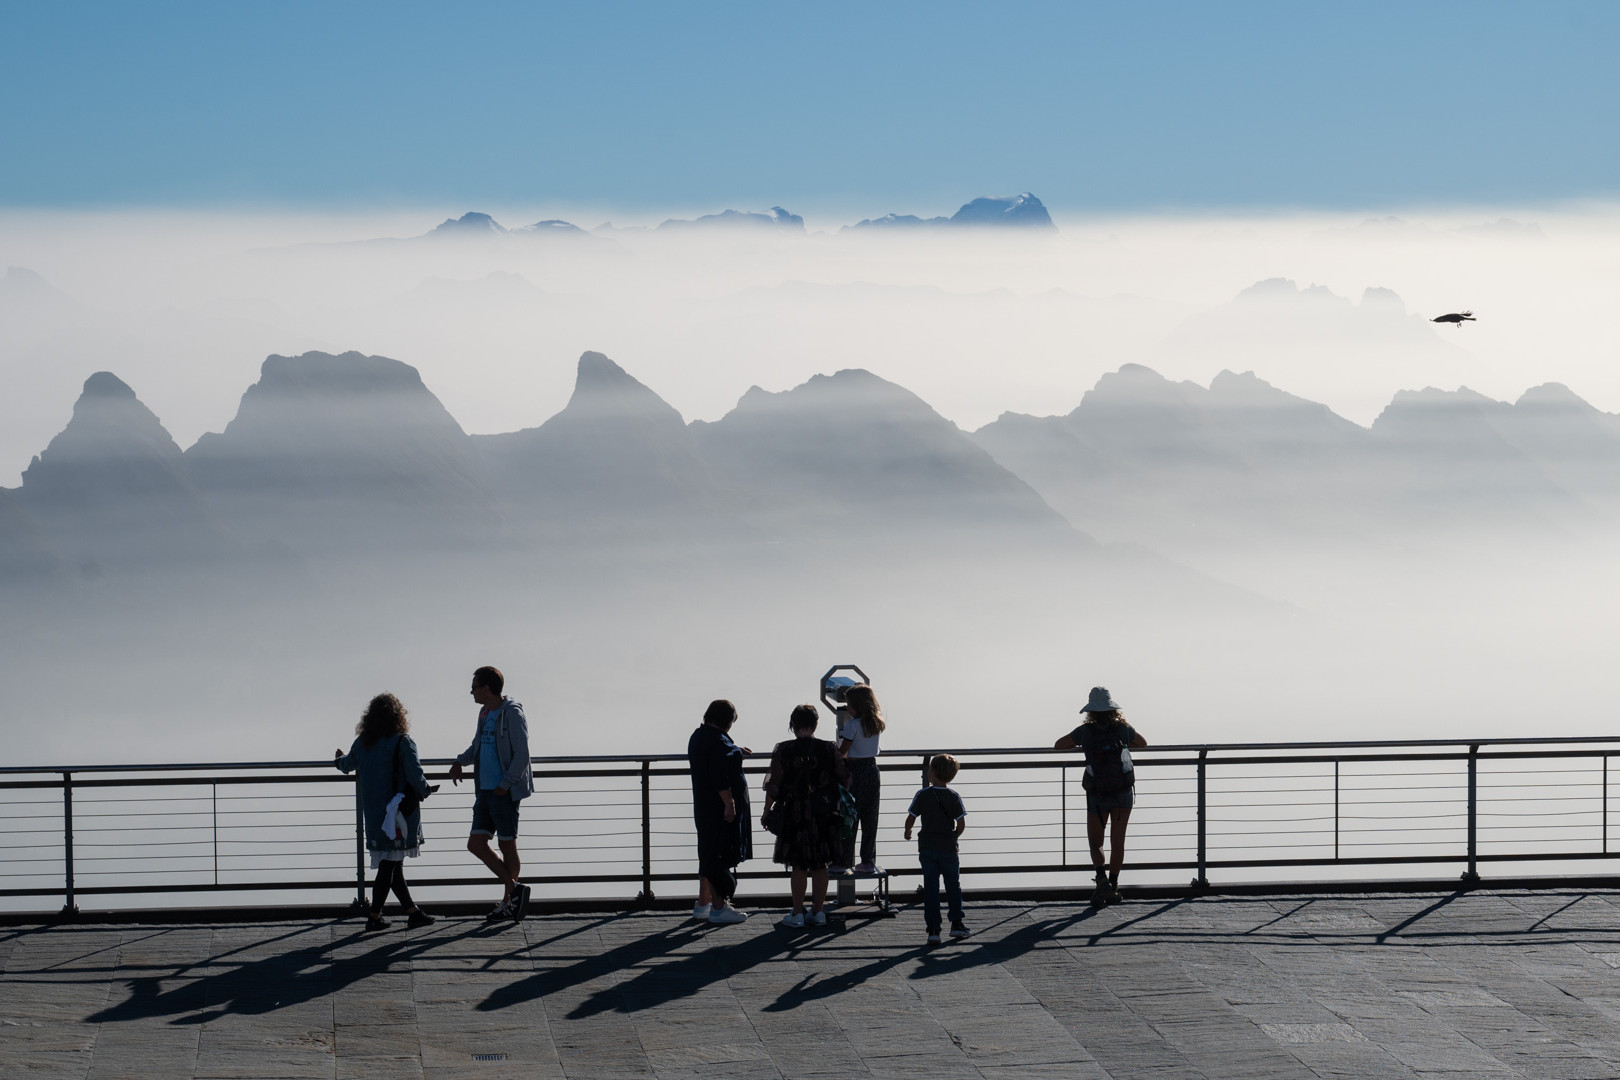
(935, 864)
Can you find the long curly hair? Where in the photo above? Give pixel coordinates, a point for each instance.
(384, 716)
(1104, 717)
(864, 704)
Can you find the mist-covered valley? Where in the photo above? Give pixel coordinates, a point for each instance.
(641, 468)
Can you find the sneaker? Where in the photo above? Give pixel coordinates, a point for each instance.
(933, 937)
(499, 912)
(818, 919)
(725, 914)
(1114, 895)
(377, 922)
(700, 912)
(419, 918)
(792, 921)
(520, 902)
(1099, 895)
(959, 929)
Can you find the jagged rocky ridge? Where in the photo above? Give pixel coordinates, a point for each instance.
(349, 456)
(1179, 466)
(1021, 212)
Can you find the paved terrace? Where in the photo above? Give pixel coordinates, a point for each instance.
(1477, 984)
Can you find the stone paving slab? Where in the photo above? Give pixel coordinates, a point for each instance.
(1444, 986)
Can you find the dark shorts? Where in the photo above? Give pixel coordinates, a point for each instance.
(495, 815)
(1101, 805)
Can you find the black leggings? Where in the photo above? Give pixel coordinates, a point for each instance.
(390, 875)
(867, 787)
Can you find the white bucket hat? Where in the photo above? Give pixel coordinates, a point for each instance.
(1100, 701)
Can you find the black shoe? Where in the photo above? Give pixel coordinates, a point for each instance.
(377, 922)
(1114, 896)
(520, 902)
(959, 929)
(1099, 895)
(419, 918)
(501, 912)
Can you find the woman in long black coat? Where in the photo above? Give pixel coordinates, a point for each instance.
(720, 810)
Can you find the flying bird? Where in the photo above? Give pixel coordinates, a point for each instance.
(1456, 317)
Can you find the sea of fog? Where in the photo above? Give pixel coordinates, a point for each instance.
(618, 653)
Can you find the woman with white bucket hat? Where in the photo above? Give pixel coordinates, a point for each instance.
(1110, 783)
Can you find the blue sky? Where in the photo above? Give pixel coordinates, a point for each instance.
(871, 108)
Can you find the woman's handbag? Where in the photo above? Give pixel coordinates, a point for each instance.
(848, 812)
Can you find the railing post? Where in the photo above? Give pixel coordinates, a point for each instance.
(359, 845)
(1063, 804)
(1335, 809)
(1202, 880)
(1605, 804)
(1471, 875)
(70, 905)
(646, 896)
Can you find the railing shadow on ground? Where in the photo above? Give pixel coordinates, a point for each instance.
(672, 962)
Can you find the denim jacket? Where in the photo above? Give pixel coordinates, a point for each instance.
(511, 747)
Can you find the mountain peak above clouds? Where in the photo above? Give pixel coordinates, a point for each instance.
(472, 223)
(112, 486)
(775, 218)
(852, 446)
(603, 388)
(552, 227)
(1021, 211)
(898, 221)
(617, 456)
(330, 449)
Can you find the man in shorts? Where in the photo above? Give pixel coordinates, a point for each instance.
(499, 755)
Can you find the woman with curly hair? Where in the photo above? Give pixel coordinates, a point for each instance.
(385, 756)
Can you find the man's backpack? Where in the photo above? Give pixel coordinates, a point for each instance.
(1108, 767)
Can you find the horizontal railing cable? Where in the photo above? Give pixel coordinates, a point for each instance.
(619, 826)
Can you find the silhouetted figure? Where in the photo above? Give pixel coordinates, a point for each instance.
(803, 788)
(390, 774)
(860, 724)
(499, 755)
(1456, 318)
(720, 812)
(1110, 783)
(943, 820)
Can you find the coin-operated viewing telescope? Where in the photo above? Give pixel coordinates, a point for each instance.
(834, 685)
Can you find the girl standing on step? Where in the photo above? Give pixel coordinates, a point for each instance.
(860, 725)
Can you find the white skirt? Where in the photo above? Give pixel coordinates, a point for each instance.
(380, 857)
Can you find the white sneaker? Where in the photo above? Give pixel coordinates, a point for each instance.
(792, 921)
(700, 912)
(818, 919)
(726, 914)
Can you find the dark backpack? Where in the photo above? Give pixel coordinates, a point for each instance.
(1106, 773)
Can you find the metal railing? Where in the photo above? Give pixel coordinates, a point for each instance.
(617, 827)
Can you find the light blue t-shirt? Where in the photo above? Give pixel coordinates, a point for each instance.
(489, 760)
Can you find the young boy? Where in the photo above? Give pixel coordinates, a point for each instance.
(943, 819)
